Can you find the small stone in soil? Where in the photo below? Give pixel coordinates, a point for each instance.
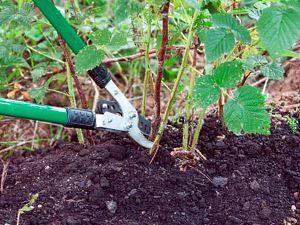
(118, 152)
(104, 182)
(71, 220)
(83, 152)
(265, 213)
(246, 206)
(111, 206)
(254, 185)
(220, 181)
(132, 192)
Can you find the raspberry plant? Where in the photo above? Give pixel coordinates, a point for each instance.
(239, 40)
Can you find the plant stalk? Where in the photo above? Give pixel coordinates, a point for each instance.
(161, 62)
(147, 70)
(73, 101)
(4, 174)
(172, 99)
(198, 129)
(185, 141)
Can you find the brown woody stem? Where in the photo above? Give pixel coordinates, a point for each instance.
(160, 71)
(172, 99)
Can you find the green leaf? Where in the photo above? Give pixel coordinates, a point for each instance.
(217, 42)
(34, 33)
(118, 40)
(10, 13)
(37, 73)
(228, 21)
(257, 60)
(273, 71)
(38, 93)
(246, 112)
(29, 206)
(278, 29)
(224, 20)
(88, 58)
(9, 61)
(101, 37)
(125, 8)
(205, 92)
(193, 3)
(228, 74)
(242, 34)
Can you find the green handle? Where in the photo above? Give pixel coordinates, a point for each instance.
(31, 111)
(60, 24)
(99, 74)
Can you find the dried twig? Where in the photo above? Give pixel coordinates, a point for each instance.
(12, 147)
(96, 96)
(161, 62)
(259, 82)
(4, 174)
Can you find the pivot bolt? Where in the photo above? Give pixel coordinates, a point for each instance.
(132, 115)
(128, 126)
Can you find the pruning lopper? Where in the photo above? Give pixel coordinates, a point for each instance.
(117, 116)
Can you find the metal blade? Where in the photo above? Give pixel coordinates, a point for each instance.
(104, 106)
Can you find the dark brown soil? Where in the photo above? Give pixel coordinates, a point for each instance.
(256, 181)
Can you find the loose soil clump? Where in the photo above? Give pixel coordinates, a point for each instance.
(253, 180)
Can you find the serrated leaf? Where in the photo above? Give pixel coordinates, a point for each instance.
(11, 13)
(3, 51)
(118, 40)
(88, 58)
(217, 42)
(246, 112)
(202, 34)
(38, 93)
(9, 61)
(125, 8)
(37, 73)
(273, 71)
(34, 33)
(205, 92)
(257, 60)
(242, 34)
(101, 37)
(228, 74)
(228, 21)
(278, 29)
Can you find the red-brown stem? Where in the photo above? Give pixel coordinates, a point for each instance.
(161, 62)
(72, 71)
(234, 5)
(221, 107)
(245, 77)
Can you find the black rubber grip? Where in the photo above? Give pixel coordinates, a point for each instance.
(81, 118)
(100, 75)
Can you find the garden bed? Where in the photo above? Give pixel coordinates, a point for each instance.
(255, 180)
